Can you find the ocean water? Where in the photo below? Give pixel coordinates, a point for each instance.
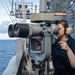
(7, 51)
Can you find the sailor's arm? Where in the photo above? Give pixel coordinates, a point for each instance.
(70, 53)
(71, 57)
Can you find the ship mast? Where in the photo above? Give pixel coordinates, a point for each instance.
(24, 11)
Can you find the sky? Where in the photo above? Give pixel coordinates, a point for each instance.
(4, 17)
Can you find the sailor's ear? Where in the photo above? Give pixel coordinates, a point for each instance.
(69, 30)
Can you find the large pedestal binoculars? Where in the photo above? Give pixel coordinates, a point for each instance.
(25, 30)
(40, 39)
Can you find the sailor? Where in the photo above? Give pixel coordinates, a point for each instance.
(63, 51)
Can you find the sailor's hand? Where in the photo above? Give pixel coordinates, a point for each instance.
(64, 45)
